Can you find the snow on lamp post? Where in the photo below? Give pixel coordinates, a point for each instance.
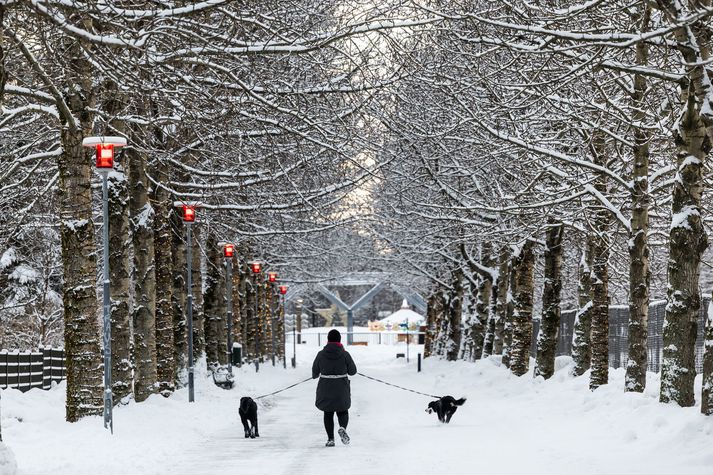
(104, 147)
(228, 253)
(256, 267)
(188, 213)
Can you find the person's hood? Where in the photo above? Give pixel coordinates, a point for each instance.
(333, 350)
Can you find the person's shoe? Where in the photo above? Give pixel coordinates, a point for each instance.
(343, 435)
(330, 443)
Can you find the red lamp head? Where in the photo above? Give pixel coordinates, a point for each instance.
(255, 267)
(272, 276)
(283, 289)
(105, 155)
(189, 213)
(228, 250)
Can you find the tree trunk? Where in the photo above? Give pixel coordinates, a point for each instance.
(432, 312)
(214, 303)
(121, 367)
(501, 293)
(688, 238)
(179, 298)
(581, 344)
(686, 245)
(198, 312)
(509, 311)
(482, 306)
(144, 314)
(490, 330)
(707, 393)
(600, 278)
(162, 231)
(551, 300)
(81, 330)
(3, 72)
(242, 307)
(455, 313)
(472, 324)
(639, 273)
(524, 269)
(251, 324)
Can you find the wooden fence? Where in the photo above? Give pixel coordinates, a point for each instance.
(25, 370)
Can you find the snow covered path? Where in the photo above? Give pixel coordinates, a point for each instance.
(508, 426)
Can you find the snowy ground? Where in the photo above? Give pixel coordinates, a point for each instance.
(508, 426)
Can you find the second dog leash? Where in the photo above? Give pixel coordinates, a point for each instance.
(283, 389)
(400, 387)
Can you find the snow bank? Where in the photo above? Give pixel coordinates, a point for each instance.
(8, 466)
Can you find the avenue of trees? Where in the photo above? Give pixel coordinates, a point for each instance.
(509, 159)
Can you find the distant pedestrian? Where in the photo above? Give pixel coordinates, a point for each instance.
(333, 366)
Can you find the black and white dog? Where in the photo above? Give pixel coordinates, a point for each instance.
(445, 407)
(248, 416)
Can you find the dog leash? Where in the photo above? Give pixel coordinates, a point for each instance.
(400, 387)
(283, 389)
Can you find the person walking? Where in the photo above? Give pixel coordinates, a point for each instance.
(333, 365)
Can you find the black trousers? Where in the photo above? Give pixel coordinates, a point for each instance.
(342, 416)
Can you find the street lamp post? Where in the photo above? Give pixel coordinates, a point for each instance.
(256, 267)
(282, 332)
(188, 209)
(104, 165)
(272, 278)
(228, 252)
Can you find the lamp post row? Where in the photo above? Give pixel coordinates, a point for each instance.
(105, 147)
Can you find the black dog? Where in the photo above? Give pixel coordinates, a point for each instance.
(248, 413)
(445, 407)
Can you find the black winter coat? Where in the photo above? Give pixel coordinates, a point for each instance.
(333, 394)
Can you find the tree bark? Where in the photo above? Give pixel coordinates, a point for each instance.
(198, 312)
(472, 324)
(489, 343)
(81, 331)
(509, 311)
(144, 314)
(3, 71)
(581, 344)
(121, 367)
(214, 303)
(551, 300)
(455, 313)
(639, 272)
(600, 278)
(707, 392)
(503, 288)
(688, 238)
(251, 324)
(162, 231)
(179, 296)
(432, 312)
(482, 306)
(524, 269)
(242, 308)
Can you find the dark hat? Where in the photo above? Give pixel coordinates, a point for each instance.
(334, 336)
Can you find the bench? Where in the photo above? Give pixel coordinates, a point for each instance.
(400, 355)
(360, 343)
